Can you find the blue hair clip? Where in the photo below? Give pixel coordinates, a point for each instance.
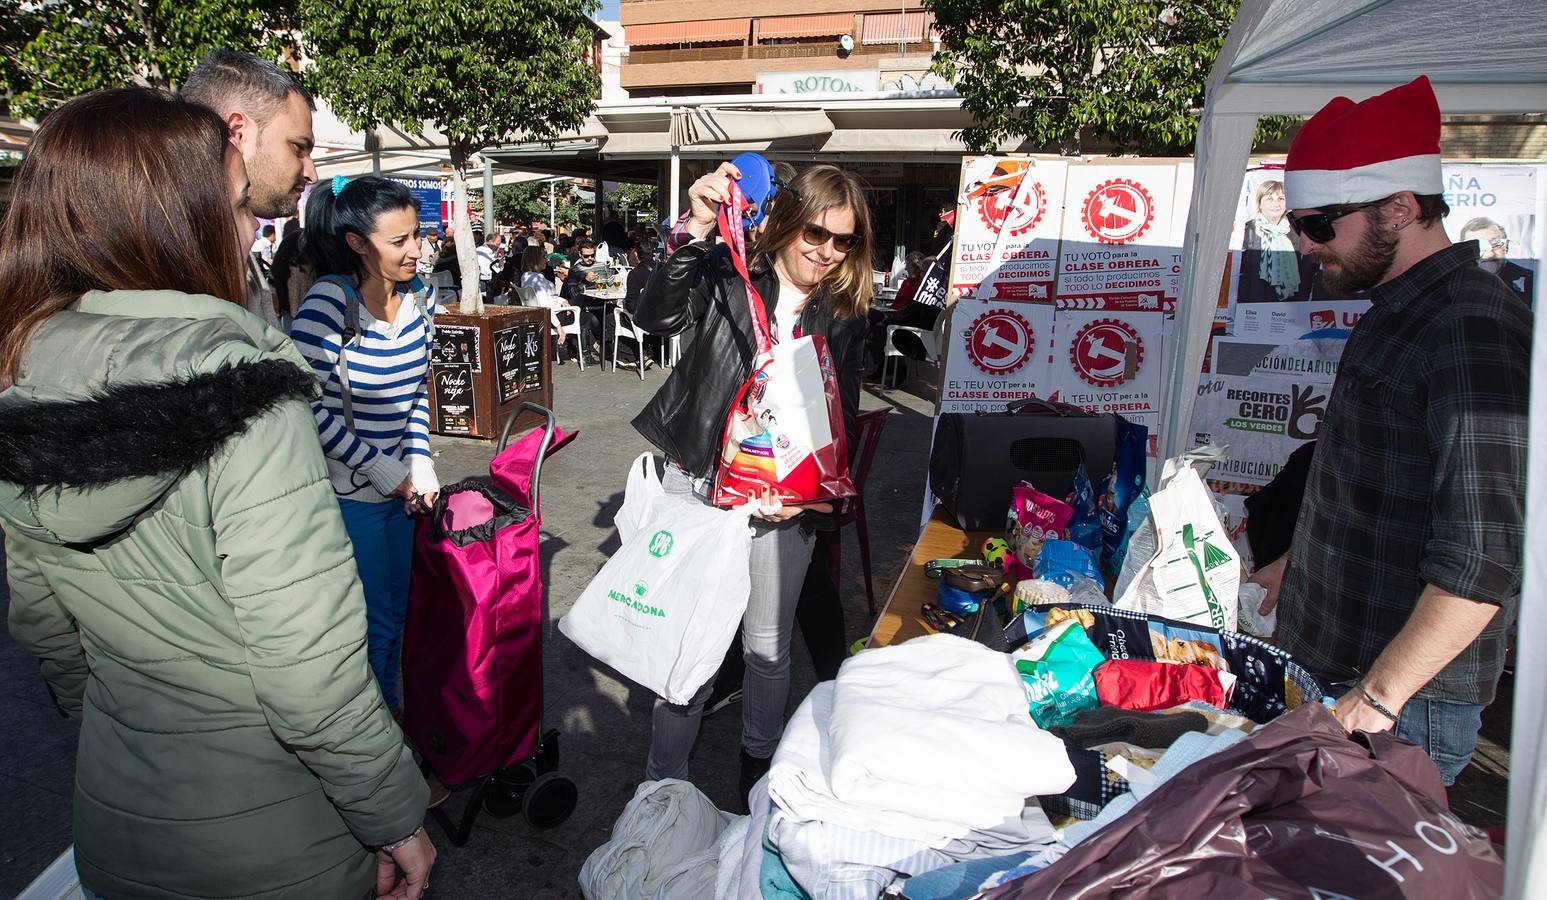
(339, 183)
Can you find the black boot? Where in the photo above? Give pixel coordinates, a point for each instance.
(752, 770)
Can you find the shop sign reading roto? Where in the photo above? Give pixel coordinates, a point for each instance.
(997, 353)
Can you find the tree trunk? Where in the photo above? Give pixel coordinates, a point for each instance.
(462, 227)
(143, 16)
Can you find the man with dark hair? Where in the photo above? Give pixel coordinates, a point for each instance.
(270, 117)
(1493, 246)
(1403, 576)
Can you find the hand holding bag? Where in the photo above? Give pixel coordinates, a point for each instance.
(784, 433)
(664, 608)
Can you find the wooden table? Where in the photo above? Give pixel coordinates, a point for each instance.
(901, 619)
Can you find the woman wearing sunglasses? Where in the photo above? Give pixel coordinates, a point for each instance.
(810, 262)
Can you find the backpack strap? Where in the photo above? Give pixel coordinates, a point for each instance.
(348, 337)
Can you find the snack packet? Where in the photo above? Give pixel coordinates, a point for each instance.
(1056, 673)
(1084, 525)
(1034, 519)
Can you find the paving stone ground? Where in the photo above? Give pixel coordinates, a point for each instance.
(604, 720)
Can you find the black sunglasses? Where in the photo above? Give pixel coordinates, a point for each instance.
(1318, 226)
(816, 236)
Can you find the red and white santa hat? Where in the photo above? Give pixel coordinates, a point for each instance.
(1357, 152)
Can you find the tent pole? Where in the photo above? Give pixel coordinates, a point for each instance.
(676, 181)
(551, 187)
(489, 225)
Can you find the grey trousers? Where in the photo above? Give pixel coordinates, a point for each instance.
(780, 555)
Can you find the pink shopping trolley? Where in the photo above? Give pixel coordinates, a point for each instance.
(472, 645)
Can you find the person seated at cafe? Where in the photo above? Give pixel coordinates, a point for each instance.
(538, 289)
(577, 282)
(906, 313)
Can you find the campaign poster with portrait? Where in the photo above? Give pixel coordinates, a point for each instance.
(997, 353)
(1496, 206)
(1119, 250)
(1024, 265)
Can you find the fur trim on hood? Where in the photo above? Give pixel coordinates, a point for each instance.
(140, 430)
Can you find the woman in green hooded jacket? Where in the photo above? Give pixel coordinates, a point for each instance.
(176, 560)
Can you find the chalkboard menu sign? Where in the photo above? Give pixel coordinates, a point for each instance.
(532, 356)
(455, 397)
(510, 350)
(457, 345)
(484, 366)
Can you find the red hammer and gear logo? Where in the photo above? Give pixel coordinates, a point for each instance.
(1118, 211)
(1100, 353)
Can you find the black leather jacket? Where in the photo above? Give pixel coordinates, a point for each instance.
(697, 287)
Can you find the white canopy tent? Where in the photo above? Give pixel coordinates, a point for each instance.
(1289, 57)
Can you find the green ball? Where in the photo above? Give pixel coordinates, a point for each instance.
(995, 551)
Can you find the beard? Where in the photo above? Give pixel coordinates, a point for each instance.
(1365, 265)
(270, 198)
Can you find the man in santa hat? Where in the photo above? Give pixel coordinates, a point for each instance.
(1404, 573)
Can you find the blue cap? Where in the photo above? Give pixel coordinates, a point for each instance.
(756, 182)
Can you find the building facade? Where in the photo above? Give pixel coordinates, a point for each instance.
(710, 47)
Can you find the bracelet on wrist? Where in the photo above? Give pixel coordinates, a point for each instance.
(1379, 707)
(400, 844)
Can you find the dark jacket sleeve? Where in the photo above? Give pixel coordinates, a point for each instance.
(680, 290)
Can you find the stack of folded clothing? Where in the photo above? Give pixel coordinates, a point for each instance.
(919, 755)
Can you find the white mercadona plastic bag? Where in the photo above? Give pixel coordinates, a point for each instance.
(664, 608)
(1195, 575)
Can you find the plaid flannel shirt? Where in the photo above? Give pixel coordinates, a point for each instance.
(1419, 476)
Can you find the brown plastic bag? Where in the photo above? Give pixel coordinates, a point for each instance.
(1297, 809)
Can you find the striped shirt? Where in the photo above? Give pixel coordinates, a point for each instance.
(389, 393)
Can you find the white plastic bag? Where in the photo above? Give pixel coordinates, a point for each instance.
(663, 609)
(1195, 575)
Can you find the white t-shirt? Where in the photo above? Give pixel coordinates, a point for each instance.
(541, 289)
(787, 312)
(264, 248)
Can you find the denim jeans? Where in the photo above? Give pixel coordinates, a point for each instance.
(780, 555)
(1445, 730)
(383, 539)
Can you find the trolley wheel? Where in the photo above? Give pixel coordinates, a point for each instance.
(549, 800)
(508, 789)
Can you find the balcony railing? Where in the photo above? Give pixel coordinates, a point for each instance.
(765, 51)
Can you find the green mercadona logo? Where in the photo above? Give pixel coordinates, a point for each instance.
(637, 601)
(660, 544)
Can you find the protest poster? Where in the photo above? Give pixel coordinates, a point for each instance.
(1262, 406)
(1024, 264)
(997, 352)
(1118, 250)
(1109, 361)
(984, 203)
(1496, 207)
(1278, 322)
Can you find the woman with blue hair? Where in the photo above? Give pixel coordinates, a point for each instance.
(368, 343)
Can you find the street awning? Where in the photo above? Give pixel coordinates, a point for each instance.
(830, 25)
(703, 31)
(731, 126)
(897, 27)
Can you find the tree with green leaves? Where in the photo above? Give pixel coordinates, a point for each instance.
(1063, 72)
(528, 202)
(638, 197)
(54, 50)
(482, 72)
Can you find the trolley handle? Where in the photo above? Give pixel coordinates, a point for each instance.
(549, 425)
